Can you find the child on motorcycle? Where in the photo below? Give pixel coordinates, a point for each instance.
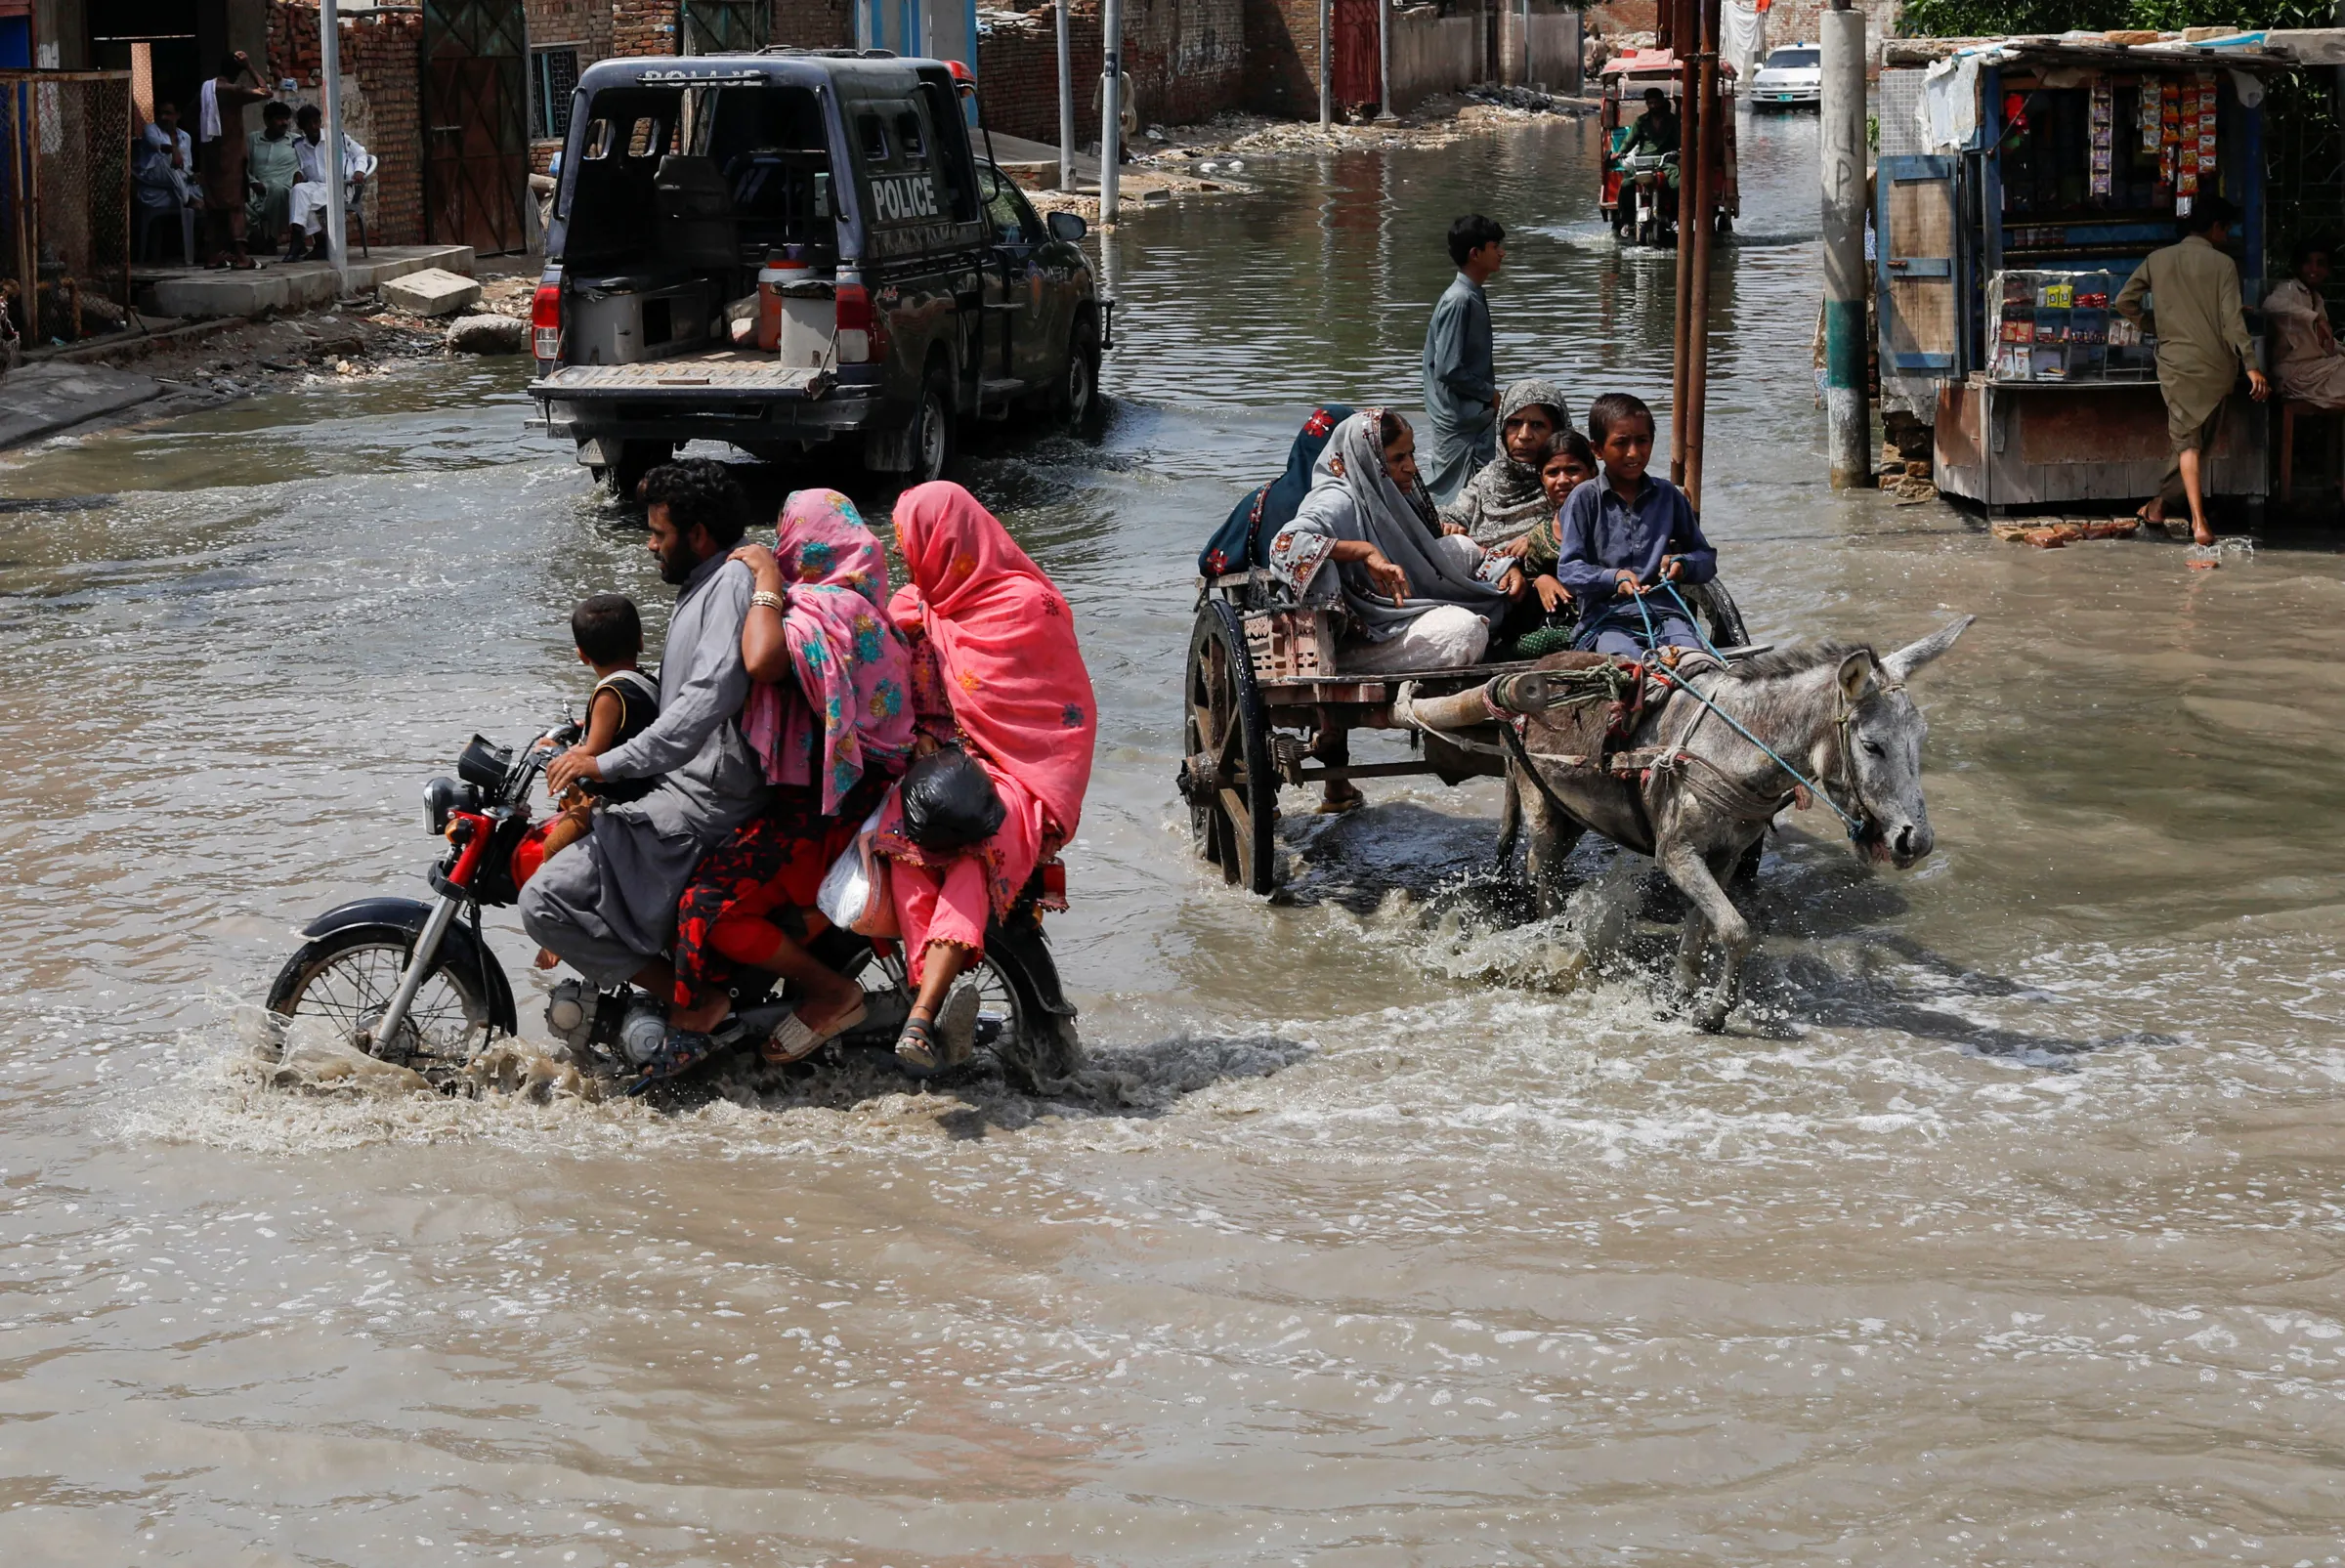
(609, 632)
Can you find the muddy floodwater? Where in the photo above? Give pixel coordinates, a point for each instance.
(2002, 1227)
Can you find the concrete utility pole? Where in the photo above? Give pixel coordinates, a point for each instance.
(1384, 60)
(1110, 104)
(329, 64)
(1326, 86)
(1066, 103)
(1849, 420)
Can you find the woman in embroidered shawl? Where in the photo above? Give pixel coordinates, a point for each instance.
(831, 716)
(1504, 500)
(1366, 542)
(995, 670)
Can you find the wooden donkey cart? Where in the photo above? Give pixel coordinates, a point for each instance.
(1268, 703)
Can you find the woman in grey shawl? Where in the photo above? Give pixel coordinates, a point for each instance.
(1504, 500)
(1411, 599)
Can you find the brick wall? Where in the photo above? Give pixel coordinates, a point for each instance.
(381, 102)
(814, 24)
(1282, 58)
(1187, 60)
(642, 27)
(1017, 71)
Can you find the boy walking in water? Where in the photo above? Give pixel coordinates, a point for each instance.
(1460, 376)
(1622, 539)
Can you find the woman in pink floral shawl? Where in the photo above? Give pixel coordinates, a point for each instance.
(831, 716)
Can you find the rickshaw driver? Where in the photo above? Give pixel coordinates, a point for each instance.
(1657, 128)
(1659, 131)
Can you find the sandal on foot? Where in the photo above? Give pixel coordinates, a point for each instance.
(793, 1040)
(956, 1026)
(680, 1052)
(1337, 805)
(917, 1047)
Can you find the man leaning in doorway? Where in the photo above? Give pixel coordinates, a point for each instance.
(1460, 376)
(2202, 344)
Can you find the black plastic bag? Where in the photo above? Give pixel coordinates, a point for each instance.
(949, 802)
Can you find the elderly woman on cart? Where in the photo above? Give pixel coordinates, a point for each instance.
(1367, 541)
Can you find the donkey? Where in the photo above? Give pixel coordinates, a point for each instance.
(1837, 712)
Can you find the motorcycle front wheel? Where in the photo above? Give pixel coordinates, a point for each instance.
(347, 978)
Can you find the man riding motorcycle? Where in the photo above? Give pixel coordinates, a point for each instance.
(1658, 131)
(607, 906)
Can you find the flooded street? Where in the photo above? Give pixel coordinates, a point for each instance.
(2002, 1227)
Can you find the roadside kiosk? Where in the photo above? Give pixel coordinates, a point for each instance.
(2059, 165)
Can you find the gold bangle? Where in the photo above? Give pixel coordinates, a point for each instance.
(770, 600)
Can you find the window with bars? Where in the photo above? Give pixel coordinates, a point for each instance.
(553, 73)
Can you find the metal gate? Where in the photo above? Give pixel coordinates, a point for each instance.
(476, 137)
(64, 202)
(1358, 52)
(724, 26)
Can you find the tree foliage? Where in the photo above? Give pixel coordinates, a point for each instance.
(1973, 18)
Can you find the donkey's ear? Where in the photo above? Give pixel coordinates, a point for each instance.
(1855, 675)
(1905, 661)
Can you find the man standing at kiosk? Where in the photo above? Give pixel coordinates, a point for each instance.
(2202, 343)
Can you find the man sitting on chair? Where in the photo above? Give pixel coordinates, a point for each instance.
(2307, 364)
(166, 168)
(309, 195)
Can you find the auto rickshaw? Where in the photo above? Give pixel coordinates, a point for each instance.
(1639, 193)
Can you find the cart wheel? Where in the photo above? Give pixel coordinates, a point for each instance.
(1232, 794)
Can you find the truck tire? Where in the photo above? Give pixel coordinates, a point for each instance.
(931, 445)
(636, 458)
(1077, 400)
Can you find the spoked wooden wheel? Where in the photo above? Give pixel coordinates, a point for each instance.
(1226, 777)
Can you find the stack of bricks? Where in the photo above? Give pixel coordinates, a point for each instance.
(383, 109)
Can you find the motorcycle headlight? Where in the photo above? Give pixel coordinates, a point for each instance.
(440, 799)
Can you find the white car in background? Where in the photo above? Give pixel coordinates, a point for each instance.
(1794, 74)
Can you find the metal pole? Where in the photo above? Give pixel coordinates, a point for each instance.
(1383, 59)
(1327, 84)
(1708, 166)
(329, 64)
(1849, 421)
(1680, 43)
(1110, 104)
(1066, 103)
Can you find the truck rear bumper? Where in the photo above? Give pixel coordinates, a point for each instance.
(681, 408)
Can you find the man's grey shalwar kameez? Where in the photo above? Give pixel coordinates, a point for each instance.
(1460, 388)
(608, 903)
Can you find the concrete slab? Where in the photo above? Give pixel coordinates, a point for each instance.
(41, 399)
(432, 291)
(280, 286)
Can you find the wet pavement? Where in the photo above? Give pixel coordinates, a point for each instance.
(2002, 1226)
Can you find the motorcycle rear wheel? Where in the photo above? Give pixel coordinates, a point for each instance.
(1037, 1047)
(347, 979)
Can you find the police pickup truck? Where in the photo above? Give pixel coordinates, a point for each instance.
(796, 249)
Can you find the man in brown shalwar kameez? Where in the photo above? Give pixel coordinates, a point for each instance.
(2202, 344)
(220, 122)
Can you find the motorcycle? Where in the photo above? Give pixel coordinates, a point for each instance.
(1648, 211)
(416, 983)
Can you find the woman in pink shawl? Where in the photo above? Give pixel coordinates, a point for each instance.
(995, 670)
(831, 716)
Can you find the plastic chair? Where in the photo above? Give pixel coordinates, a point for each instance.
(148, 217)
(354, 200)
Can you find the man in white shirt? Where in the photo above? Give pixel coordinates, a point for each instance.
(309, 194)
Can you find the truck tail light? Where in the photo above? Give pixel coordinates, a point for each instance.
(860, 338)
(545, 322)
